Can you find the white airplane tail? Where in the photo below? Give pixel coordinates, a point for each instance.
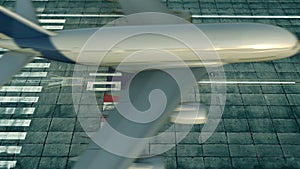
(25, 8)
(22, 24)
(13, 28)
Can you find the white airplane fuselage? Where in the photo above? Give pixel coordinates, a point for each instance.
(233, 42)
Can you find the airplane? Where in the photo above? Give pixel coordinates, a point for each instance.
(232, 42)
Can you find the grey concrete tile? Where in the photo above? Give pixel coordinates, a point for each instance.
(250, 89)
(64, 111)
(242, 150)
(62, 124)
(44, 111)
(243, 67)
(254, 112)
(296, 111)
(292, 162)
(253, 100)
(52, 162)
(239, 138)
(276, 99)
(233, 99)
(217, 162)
(291, 150)
(268, 151)
(214, 122)
(27, 162)
(170, 162)
(285, 125)
(236, 125)
(289, 138)
(230, 75)
(284, 67)
(296, 65)
(74, 21)
(70, 26)
(271, 162)
(287, 75)
(264, 138)
(191, 137)
(215, 150)
(281, 112)
(56, 150)
(186, 150)
(204, 88)
(246, 75)
(294, 99)
(291, 89)
(272, 89)
(32, 150)
(191, 163)
(213, 138)
(48, 98)
(296, 58)
(50, 89)
(39, 124)
(231, 89)
(59, 137)
(65, 98)
(228, 68)
(232, 112)
(276, 12)
(245, 163)
(261, 125)
(266, 75)
(35, 137)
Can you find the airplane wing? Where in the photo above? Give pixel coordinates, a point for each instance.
(139, 6)
(139, 89)
(11, 63)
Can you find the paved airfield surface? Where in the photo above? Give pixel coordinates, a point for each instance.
(259, 128)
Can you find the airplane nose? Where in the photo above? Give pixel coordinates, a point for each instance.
(251, 42)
